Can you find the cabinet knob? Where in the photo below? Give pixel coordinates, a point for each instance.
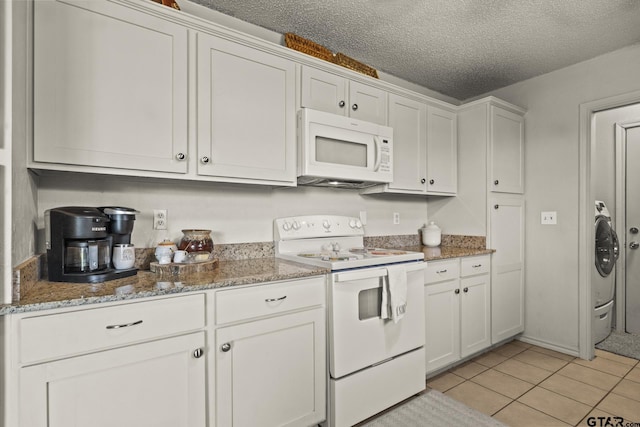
(422, 181)
(180, 156)
(354, 107)
(204, 160)
(496, 182)
(341, 104)
(496, 206)
(457, 291)
(225, 347)
(432, 181)
(198, 353)
(466, 290)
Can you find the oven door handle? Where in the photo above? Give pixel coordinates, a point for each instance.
(371, 273)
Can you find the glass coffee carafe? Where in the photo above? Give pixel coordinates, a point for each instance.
(82, 256)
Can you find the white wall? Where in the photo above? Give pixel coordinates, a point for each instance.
(235, 213)
(552, 170)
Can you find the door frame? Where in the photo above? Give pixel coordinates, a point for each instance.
(586, 197)
(621, 218)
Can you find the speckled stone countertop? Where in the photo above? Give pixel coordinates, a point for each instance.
(45, 295)
(239, 264)
(446, 252)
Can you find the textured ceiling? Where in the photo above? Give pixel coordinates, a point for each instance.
(461, 48)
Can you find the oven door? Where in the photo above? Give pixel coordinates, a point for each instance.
(358, 337)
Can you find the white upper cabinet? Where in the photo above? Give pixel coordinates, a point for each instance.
(506, 151)
(110, 87)
(335, 94)
(408, 118)
(442, 152)
(246, 112)
(425, 149)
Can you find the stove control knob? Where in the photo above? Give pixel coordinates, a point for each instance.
(358, 223)
(352, 223)
(296, 225)
(286, 226)
(326, 224)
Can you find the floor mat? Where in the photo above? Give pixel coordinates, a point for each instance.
(433, 409)
(622, 343)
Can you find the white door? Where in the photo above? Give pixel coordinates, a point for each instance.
(631, 234)
(246, 112)
(506, 151)
(272, 372)
(408, 118)
(324, 91)
(156, 384)
(442, 320)
(507, 269)
(475, 314)
(367, 103)
(110, 87)
(442, 151)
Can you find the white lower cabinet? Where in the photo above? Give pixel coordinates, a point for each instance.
(270, 365)
(155, 384)
(507, 237)
(144, 366)
(457, 309)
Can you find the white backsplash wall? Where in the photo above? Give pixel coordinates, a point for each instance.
(234, 213)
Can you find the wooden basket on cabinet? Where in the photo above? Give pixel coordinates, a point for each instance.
(307, 46)
(352, 64)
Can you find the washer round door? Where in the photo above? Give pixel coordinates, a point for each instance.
(607, 247)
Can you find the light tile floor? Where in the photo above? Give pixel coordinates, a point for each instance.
(525, 385)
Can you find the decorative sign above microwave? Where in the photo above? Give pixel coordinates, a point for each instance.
(338, 151)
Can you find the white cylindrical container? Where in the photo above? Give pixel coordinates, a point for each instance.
(431, 235)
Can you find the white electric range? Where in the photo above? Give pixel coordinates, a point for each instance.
(372, 359)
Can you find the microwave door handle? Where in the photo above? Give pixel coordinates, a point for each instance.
(378, 143)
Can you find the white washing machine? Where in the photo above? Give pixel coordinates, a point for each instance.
(603, 278)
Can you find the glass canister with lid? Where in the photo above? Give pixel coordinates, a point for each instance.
(198, 244)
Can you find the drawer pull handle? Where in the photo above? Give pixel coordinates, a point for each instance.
(477, 265)
(124, 325)
(441, 271)
(275, 299)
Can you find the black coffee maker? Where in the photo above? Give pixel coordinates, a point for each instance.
(79, 245)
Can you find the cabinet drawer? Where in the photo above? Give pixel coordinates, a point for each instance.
(75, 332)
(257, 301)
(475, 265)
(439, 271)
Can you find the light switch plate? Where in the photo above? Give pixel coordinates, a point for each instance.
(549, 218)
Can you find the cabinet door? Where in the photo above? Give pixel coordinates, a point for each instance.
(408, 118)
(246, 113)
(110, 87)
(507, 283)
(273, 372)
(442, 317)
(324, 91)
(442, 152)
(367, 103)
(475, 314)
(156, 384)
(506, 151)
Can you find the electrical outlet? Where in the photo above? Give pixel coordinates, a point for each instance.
(396, 218)
(548, 218)
(159, 219)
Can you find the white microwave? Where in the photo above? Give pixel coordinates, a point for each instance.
(339, 151)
